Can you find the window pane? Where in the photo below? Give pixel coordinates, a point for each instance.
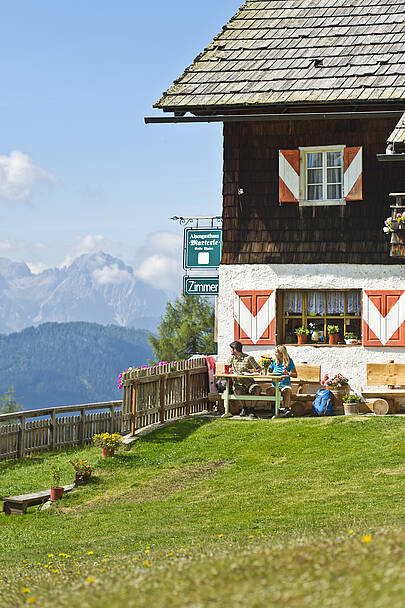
(290, 325)
(315, 193)
(354, 326)
(353, 300)
(315, 176)
(334, 176)
(335, 302)
(316, 303)
(293, 302)
(314, 160)
(335, 191)
(334, 159)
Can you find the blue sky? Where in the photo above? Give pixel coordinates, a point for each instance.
(79, 169)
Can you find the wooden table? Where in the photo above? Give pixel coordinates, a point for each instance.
(276, 378)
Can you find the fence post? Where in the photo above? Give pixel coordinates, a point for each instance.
(53, 429)
(133, 422)
(21, 436)
(162, 398)
(188, 391)
(82, 426)
(112, 419)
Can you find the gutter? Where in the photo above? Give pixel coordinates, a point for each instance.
(272, 117)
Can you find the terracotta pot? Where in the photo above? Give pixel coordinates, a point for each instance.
(80, 479)
(107, 452)
(302, 338)
(334, 338)
(56, 493)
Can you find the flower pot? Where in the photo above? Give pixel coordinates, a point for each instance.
(302, 338)
(107, 452)
(338, 393)
(351, 409)
(334, 338)
(81, 479)
(315, 336)
(56, 493)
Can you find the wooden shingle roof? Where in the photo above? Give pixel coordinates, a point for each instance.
(291, 51)
(397, 137)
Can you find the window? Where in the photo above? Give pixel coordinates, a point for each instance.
(315, 310)
(327, 175)
(322, 175)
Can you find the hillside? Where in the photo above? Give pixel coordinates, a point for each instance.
(69, 363)
(97, 288)
(304, 513)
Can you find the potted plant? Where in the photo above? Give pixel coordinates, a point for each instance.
(108, 442)
(82, 471)
(302, 334)
(265, 362)
(333, 331)
(56, 488)
(339, 386)
(351, 404)
(351, 338)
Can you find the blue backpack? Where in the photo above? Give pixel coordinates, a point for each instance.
(322, 405)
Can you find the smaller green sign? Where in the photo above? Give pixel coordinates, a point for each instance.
(201, 286)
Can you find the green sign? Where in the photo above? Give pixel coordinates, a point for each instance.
(202, 247)
(200, 286)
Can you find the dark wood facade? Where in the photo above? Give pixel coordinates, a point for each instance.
(257, 230)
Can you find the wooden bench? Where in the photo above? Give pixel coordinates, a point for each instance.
(385, 386)
(304, 387)
(17, 505)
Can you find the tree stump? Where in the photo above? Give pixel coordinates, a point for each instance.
(382, 407)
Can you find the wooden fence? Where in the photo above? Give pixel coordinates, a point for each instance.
(50, 429)
(150, 395)
(164, 392)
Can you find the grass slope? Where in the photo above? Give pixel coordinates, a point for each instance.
(221, 513)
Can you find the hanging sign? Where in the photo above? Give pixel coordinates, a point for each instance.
(200, 286)
(202, 247)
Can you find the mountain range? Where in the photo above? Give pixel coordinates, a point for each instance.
(69, 363)
(96, 288)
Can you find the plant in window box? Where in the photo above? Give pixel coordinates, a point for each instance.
(396, 223)
(302, 334)
(351, 338)
(333, 331)
(351, 404)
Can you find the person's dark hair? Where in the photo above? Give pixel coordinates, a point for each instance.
(237, 346)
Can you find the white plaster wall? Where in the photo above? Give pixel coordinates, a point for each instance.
(350, 361)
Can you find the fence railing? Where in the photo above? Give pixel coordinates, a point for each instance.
(48, 429)
(150, 395)
(164, 392)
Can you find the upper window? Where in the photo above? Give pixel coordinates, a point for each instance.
(322, 177)
(326, 175)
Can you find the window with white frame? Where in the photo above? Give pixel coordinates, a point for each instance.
(321, 175)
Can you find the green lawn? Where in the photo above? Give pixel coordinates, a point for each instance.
(205, 512)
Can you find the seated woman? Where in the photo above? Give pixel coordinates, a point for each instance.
(283, 364)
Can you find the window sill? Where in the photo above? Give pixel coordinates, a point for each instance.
(325, 345)
(339, 202)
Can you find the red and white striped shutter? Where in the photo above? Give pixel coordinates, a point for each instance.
(384, 317)
(255, 317)
(353, 174)
(288, 176)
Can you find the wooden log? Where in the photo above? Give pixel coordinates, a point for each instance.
(381, 407)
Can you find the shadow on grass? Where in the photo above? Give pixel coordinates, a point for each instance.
(177, 431)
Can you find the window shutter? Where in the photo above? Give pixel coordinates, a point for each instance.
(353, 174)
(384, 318)
(288, 176)
(254, 316)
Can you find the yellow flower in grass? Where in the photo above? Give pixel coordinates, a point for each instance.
(90, 579)
(366, 538)
(90, 552)
(25, 590)
(220, 535)
(251, 536)
(31, 600)
(351, 531)
(147, 564)
(50, 555)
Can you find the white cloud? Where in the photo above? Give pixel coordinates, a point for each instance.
(9, 244)
(19, 176)
(91, 243)
(5, 245)
(161, 261)
(111, 275)
(36, 268)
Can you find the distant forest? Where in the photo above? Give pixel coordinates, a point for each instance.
(69, 363)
